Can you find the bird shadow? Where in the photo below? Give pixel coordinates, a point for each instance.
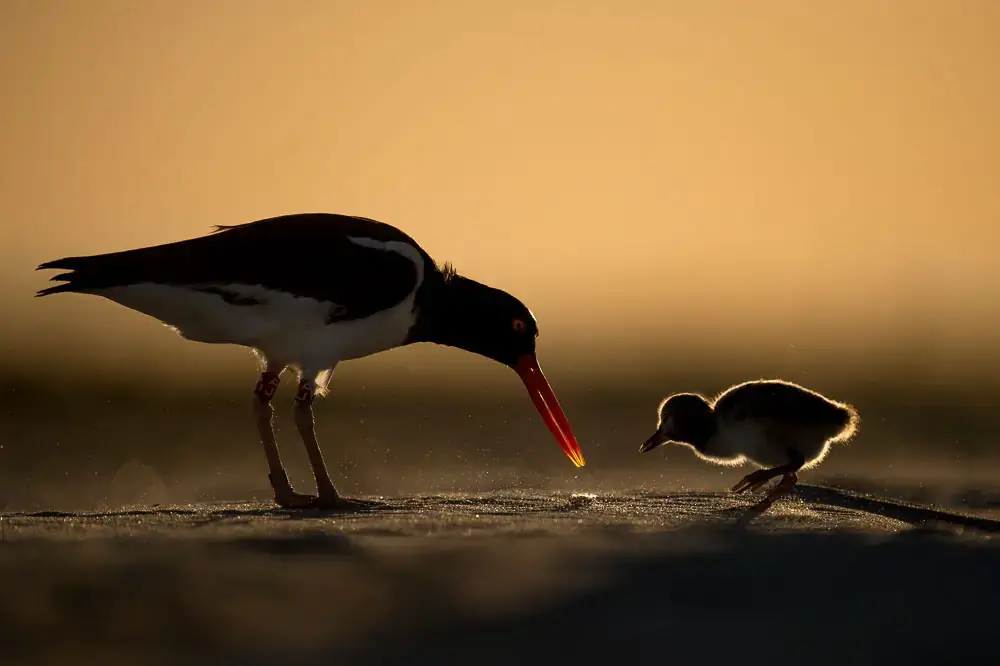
(303, 542)
(919, 516)
(825, 498)
(209, 513)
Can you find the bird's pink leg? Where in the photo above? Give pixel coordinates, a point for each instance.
(780, 489)
(304, 421)
(755, 480)
(263, 414)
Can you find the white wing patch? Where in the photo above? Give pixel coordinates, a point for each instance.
(398, 247)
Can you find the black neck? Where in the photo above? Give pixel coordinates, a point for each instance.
(445, 303)
(459, 312)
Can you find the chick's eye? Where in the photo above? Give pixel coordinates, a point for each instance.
(518, 325)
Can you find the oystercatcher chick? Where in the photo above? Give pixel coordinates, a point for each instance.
(309, 291)
(776, 425)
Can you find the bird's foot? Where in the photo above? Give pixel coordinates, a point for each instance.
(750, 513)
(285, 497)
(325, 501)
(753, 481)
(328, 500)
(298, 502)
(780, 490)
(294, 500)
(337, 503)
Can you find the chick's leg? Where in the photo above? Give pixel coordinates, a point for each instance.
(757, 479)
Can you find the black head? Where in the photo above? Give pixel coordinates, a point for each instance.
(466, 314)
(469, 315)
(685, 418)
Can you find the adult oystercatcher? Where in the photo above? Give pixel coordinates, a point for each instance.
(777, 425)
(308, 291)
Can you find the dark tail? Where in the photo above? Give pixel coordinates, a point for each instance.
(70, 279)
(87, 273)
(847, 422)
(156, 263)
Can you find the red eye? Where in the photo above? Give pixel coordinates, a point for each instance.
(518, 325)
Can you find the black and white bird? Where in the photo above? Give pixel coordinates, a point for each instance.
(309, 291)
(773, 424)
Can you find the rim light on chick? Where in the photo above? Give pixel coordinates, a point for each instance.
(776, 425)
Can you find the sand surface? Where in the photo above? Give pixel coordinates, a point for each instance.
(828, 577)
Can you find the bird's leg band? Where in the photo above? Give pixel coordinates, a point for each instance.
(267, 385)
(306, 393)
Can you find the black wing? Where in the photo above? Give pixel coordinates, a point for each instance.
(780, 401)
(307, 255)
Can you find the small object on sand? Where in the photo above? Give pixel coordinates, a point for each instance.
(776, 425)
(309, 291)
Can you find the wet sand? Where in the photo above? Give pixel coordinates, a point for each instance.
(828, 577)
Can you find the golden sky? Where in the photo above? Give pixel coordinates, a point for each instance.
(642, 174)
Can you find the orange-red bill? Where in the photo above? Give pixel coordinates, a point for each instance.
(548, 407)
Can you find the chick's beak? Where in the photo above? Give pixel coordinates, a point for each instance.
(654, 441)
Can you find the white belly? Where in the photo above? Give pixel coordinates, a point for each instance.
(764, 445)
(283, 327)
(321, 345)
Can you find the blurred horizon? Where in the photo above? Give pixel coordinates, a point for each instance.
(772, 186)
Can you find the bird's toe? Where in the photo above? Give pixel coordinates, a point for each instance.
(294, 500)
(327, 502)
(751, 481)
